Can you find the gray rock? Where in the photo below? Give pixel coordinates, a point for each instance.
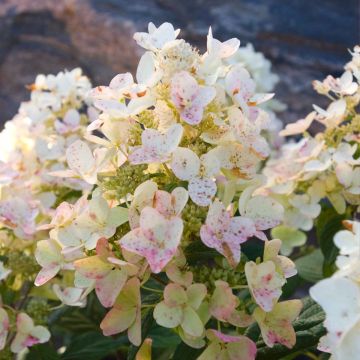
(305, 41)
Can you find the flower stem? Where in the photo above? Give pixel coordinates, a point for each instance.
(153, 290)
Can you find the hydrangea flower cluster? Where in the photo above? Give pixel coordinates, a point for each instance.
(114, 192)
(171, 198)
(33, 145)
(339, 296)
(325, 166)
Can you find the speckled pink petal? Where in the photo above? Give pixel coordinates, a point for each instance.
(276, 326)
(265, 211)
(157, 238)
(202, 190)
(183, 90)
(79, 157)
(240, 229)
(264, 283)
(192, 115)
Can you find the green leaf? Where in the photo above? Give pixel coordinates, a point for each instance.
(92, 346)
(197, 252)
(164, 338)
(310, 267)
(42, 352)
(184, 351)
(308, 328)
(327, 225)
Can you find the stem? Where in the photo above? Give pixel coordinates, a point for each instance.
(153, 290)
(25, 292)
(9, 308)
(240, 287)
(148, 305)
(159, 280)
(167, 170)
(311, 355)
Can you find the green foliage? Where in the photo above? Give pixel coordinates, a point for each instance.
(327, 225)
(310, 266)
(92, 346)
(43, 352)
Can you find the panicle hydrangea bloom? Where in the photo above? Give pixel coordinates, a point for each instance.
(339, 296)
(33, 144)
(326, 166)
(111, 201)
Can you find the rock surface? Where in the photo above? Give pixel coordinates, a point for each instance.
(46, 36)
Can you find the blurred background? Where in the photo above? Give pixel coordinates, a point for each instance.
(304, 39)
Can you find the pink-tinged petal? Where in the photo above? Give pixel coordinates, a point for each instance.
(222, 302)
(108, 288)
(117, 320)
(46, 274)
(147, 155)
(157, 239)
(210, 238)
(125, 311)
(156, 147)
(174, 295)
(218, 218)
(244, 349)
(170, 204)
(178, 276)
(276, 326)
(265, 211)
(225, 234)
(93, 267)
(134, 331)
(240, 229)
(190, 98)
(27, 334)
(162, 202)
(264, 283)
(202, 190)
(238, 82)
(184, 89)
(240, 319)
(212, 334)
(192, 115)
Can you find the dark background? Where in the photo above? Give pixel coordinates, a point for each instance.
(304, 39)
